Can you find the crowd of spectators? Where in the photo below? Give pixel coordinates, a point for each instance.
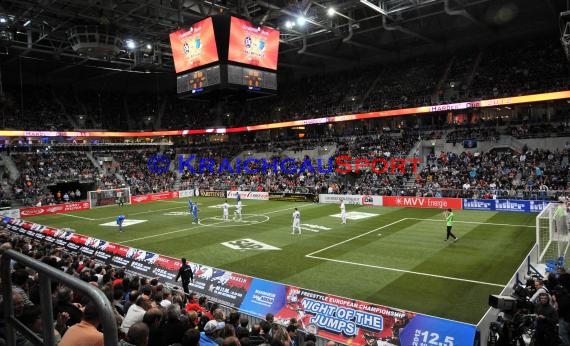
(40, 170)
(532, 173)
(146, 311)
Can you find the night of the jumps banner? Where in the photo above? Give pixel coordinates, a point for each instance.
(350, 321)
(344, 320)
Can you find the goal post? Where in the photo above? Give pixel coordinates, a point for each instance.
(552, 232)
(101, 198)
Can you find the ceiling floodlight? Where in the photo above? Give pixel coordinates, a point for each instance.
(374, 7)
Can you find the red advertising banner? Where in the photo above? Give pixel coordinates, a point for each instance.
(154, 197)
(194, 47)
(253, 45)
(422, 202)
(54, 209)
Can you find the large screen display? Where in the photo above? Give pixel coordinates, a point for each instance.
(253, 45)
(194, 47)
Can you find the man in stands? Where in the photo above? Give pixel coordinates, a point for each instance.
(546, 320)
(136, 312)
(84, 333)
(138, 335)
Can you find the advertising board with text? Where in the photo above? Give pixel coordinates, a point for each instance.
(258, 195)
(351, 199)
(54, 209)
(422, 202)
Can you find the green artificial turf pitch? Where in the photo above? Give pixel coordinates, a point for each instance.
(389, 256)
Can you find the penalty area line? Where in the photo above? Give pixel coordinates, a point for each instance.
(358, 236)
(476, 222)
(79, 217)
(408, 272)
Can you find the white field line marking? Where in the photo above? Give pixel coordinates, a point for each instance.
(358, 236)
(408, 271)
(311, 255)
(79, 217)
(199, 225)
(476, 222)
(139, 213)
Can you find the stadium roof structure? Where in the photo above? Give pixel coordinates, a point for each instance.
(336, 33)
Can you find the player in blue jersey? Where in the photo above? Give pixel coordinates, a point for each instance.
(195, 213)
(190, 205)
(120, 220)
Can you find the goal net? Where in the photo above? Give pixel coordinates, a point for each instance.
(101, 198)
(552, 232)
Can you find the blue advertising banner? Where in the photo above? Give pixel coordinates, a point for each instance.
(512, 205)
(263, 297)
(479, 204)
(538, 206)
(427, 330)
(516, 205)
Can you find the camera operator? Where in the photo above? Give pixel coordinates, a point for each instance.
(539, 289)
(562, 297)
(546, 320)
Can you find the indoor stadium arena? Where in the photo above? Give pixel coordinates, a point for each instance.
(284, 172)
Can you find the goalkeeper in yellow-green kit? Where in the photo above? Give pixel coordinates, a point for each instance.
(449, 223)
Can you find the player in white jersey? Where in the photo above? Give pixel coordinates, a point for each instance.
(342, 211)
(226, 207)
(296, 221)
(237, 212)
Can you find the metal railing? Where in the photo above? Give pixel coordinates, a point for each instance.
(46, 274)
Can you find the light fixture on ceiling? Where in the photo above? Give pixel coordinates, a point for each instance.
(374, 7)
(130, 44)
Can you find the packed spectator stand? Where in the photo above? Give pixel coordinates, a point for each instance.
(145, 310)
(496, 71)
